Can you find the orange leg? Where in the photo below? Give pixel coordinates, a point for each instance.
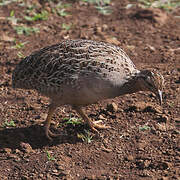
(93, 126)
(47, 123)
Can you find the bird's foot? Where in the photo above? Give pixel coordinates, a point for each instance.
(94, 126)
(51, 135)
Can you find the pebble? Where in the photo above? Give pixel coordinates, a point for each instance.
(101, 117)
(130, 158)
(25, 147)
(112, 107)
(161, 127)
(7, 150)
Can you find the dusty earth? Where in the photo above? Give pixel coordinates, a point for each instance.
(143, 142)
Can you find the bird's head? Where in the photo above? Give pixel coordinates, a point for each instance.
(152, 81)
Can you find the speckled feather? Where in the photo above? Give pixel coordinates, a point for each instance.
(82, 72)
(75, 68)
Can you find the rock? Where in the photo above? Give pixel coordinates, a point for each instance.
(7, 150)
(14, 157)
(17, 151)
(55, 172)
(25, 147)
(129, 158)
(151, 48)
(101, 117)
(161, 127)
(153, 14)
(112, 107)
(43, 116)
(112, 40)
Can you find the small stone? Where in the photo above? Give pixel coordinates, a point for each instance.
(112, 107)
(7, 150)
(14, 157)
(26, 147)
(112, 40)
(151, 48)
(101, 117)
(17, 151)
(43, 115)
(105, 27)
(161, 127)
(130, 158)
(55, 172)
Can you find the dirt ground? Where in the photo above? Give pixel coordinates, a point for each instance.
(143, 142)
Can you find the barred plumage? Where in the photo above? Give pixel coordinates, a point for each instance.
(82, 72)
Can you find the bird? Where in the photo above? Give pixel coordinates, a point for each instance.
(82, 72)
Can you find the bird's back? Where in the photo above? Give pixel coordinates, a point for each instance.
(74, 64)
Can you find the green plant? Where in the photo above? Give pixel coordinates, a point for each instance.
(20, 54)
(6, 2)
(85, 137)
(62, 12)
(9, 124)
(26, 30)
(37, 16)
(102, 2)
(60, 9)
(19, 45)
(105, 10)
(144, 128)
(29, 7)
(12, 18)
(72, 120)
(50, 158)
(66, 27)
(163, 4)
(102, 6)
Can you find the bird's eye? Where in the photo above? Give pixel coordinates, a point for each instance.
(149, 81)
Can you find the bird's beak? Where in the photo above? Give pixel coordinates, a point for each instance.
(159, 96)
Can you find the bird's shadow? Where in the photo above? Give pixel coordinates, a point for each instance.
(35, 136)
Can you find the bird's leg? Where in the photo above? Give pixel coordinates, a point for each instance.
(94, 126)
(47, 123)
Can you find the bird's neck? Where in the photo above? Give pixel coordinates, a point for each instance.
(132, 85)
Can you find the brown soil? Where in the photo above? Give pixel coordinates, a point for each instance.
(143, 142)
